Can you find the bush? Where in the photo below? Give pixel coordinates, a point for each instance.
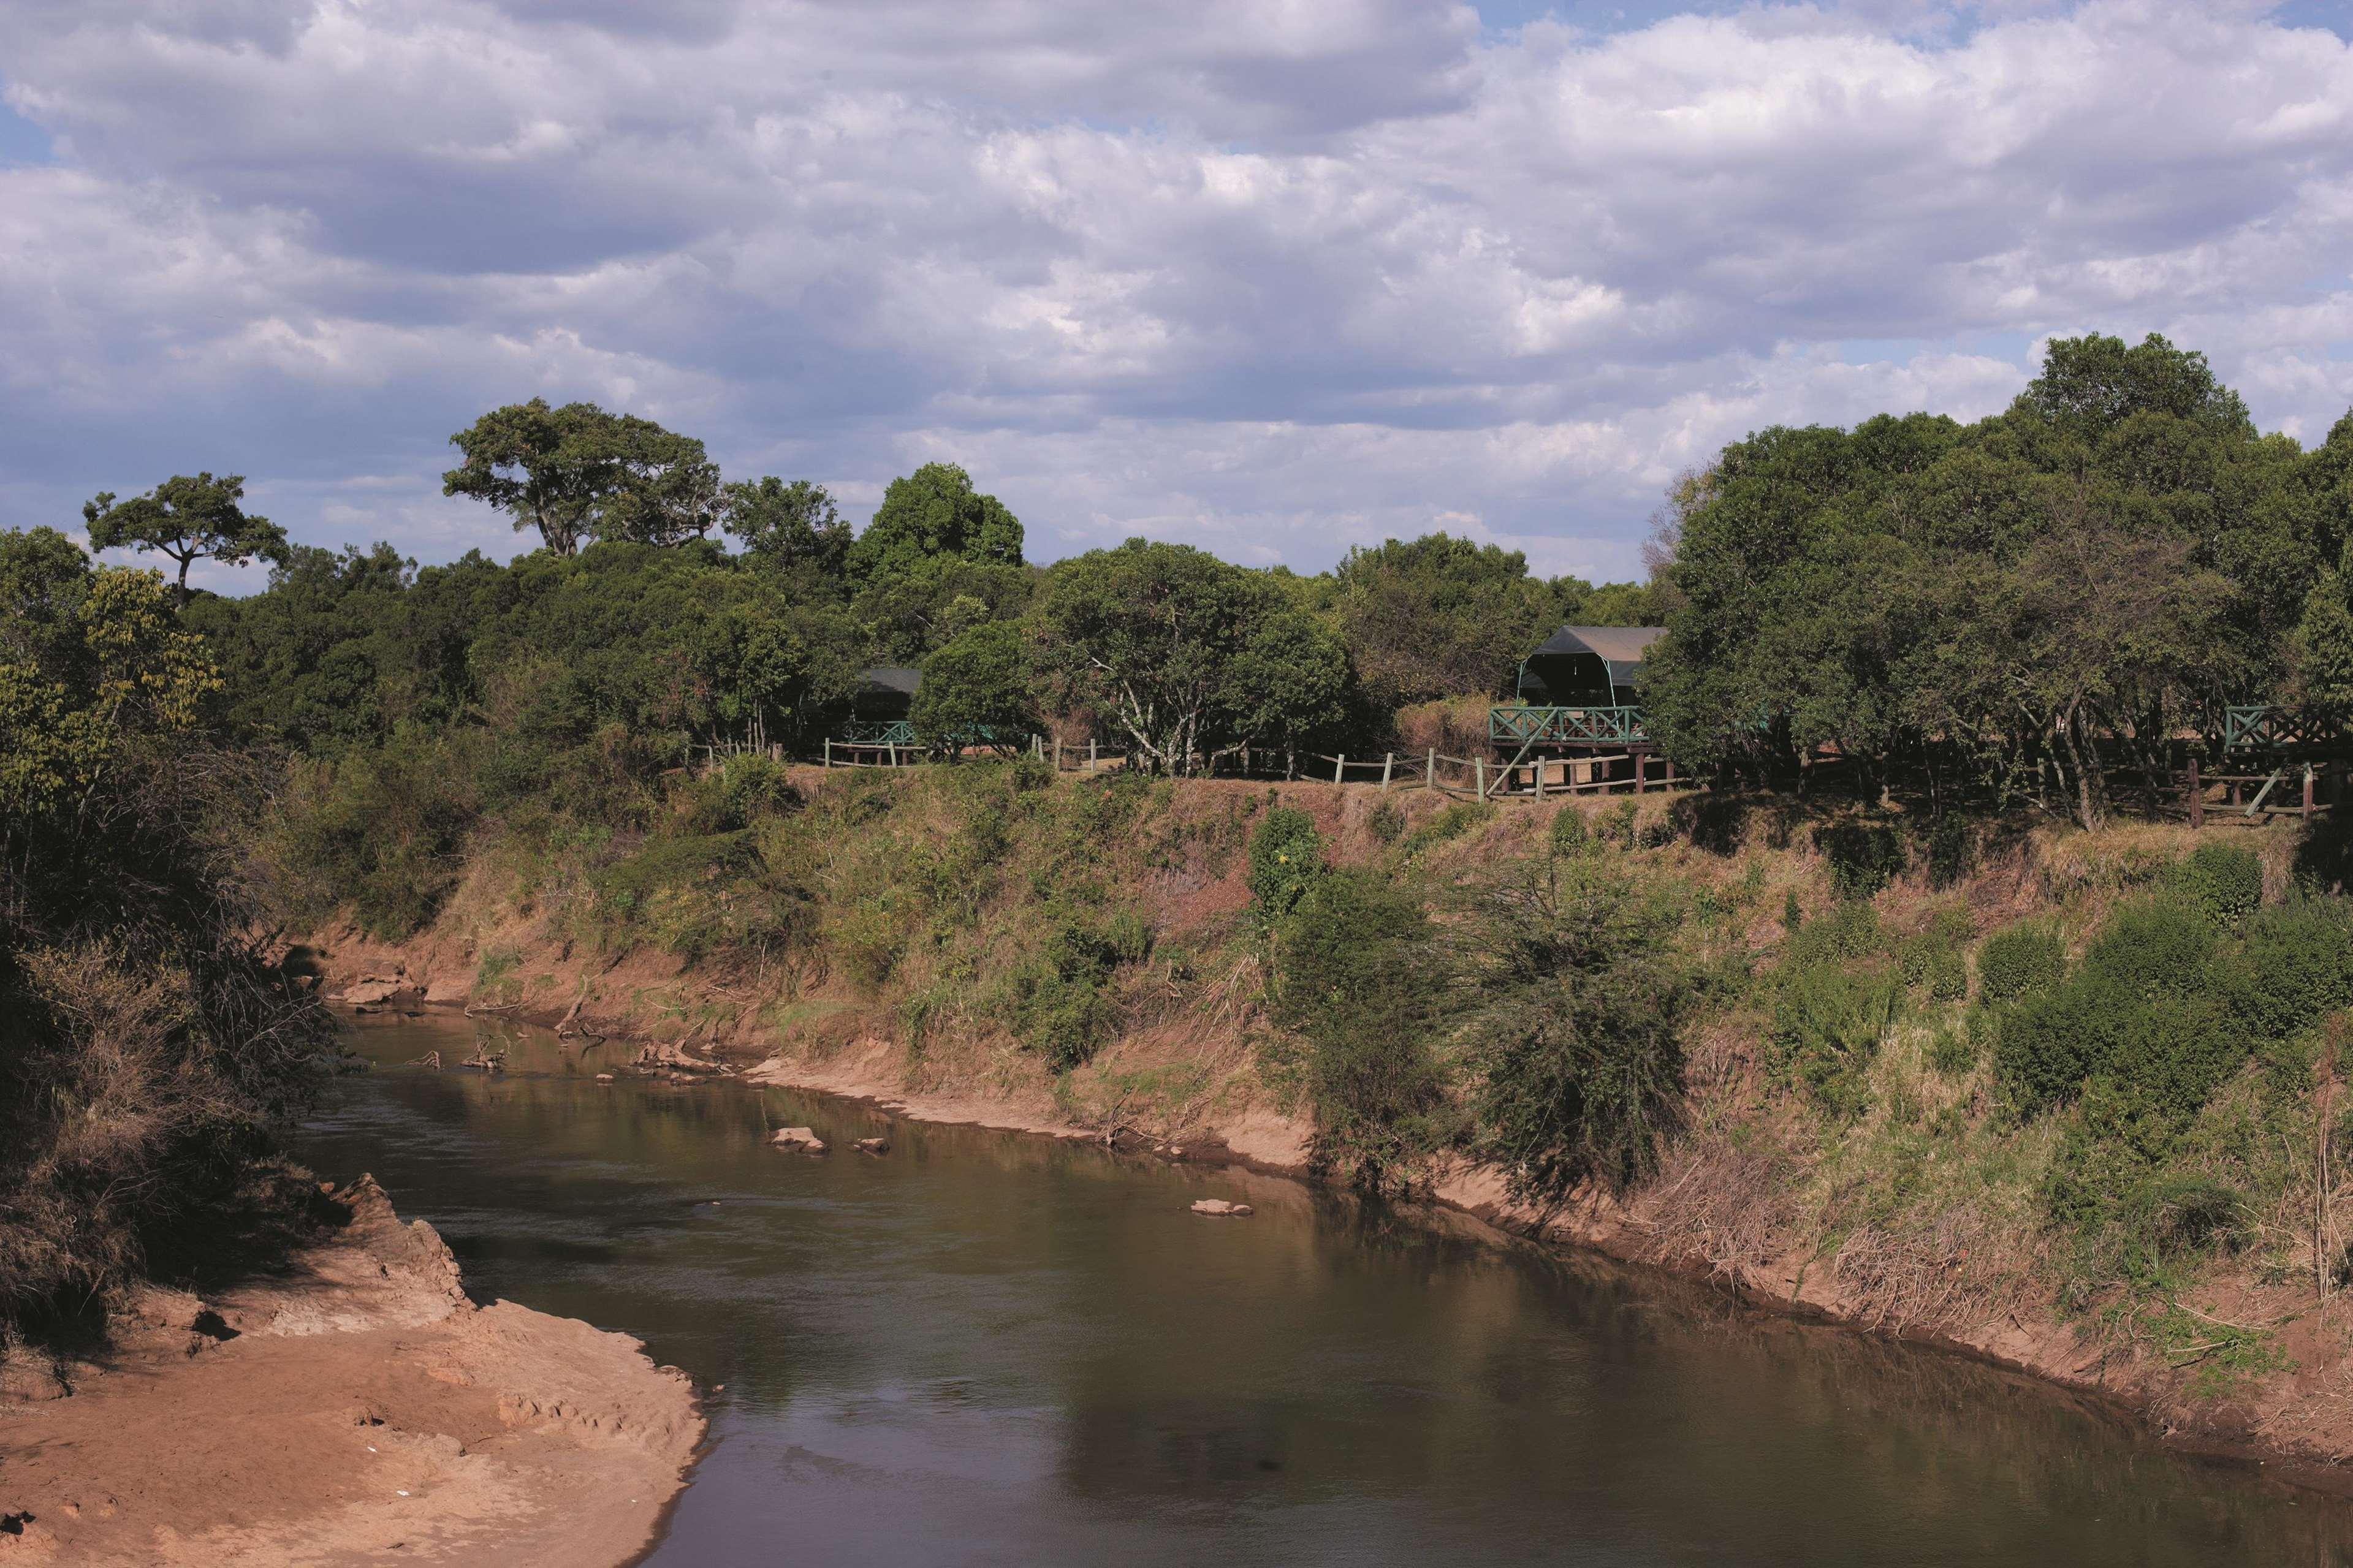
(1062, 1003)
(1954, 1051)
(2154, 946)
(1848, 933)
(381, 829)
(1863, 857)
(1828, 1023)
(734, 794)
(2223, 881)
(1952, 851)
(1569, 834)
(1934, 961)
(2027, 958)
(2295, 965)
(1286, 857)
(1457, 819)
(1387, 822)
(1356, 980)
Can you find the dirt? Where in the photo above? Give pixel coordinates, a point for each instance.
(357, 1408)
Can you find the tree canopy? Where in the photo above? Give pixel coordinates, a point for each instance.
(189, 518)
(576, 473)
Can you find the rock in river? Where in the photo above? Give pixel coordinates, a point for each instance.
(875, 1145)
(798, 1139)
(1219, 1207)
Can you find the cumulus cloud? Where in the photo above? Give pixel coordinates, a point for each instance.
(1271, 276)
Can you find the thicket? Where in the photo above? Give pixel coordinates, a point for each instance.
(152, 1049)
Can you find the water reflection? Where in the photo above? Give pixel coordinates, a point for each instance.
(991, 1349)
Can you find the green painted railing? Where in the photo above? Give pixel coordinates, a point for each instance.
(2260, 727)
(1516, 726)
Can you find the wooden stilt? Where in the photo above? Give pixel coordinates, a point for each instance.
(1642, 771)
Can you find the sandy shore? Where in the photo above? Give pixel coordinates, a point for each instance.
(357, 1410)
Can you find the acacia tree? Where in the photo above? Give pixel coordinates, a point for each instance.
(975, 689)
(189, 519)
(576, 473)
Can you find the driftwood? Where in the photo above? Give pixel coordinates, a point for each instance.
(429, 1060)
(488, 1060)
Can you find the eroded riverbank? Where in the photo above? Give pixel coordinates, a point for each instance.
(357, 1409)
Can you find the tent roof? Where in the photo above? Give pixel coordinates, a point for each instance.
(898, 678)
(1619, 648)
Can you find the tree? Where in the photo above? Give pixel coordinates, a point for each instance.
(1439, 616)
(189, 520)
(976, 691)
(577, 473)
(1148, 634)
(789, 528)
(932, 512)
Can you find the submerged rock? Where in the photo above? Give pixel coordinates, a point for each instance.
(1219, 1207)
(874, 1146)
(800, 1140)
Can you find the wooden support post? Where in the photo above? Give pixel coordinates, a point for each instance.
(2197, 797)
(895, 753)
(1540, 768)
(1388, 761)
(1338, 763)
(828, 751)
(1482, 765)
(1642, 771)
(2234, 795)
(1058, 753)
(1671, 773)
(1430, 770)
(2307, 795)
(1090, 753)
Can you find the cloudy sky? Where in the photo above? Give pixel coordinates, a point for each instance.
(1267, 276)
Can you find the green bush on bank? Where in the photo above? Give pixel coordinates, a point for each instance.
(2027, 958)
(1286, 857)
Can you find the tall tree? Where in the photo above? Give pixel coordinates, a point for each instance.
(189, 519)
(792, 528)
(577, 473)
(934, 512)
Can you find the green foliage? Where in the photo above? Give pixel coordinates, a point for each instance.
(1829, 1020)
(1935, 962)
(932, 513)
(381, 830)
(1386, 821)
(1580, 1055)
(1952, 850)
(1358, 983)
(1286, 858)
(1848, 933)
(794, 530)
(577, 473)
(1569, 834)
(1063, 1006)
(2223, 881)
(187, 520)
(2295, 965)
(2025, 959)
(152, 1049)
(976, 692)
(1863, 857)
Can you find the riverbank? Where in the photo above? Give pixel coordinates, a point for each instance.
(356, 1405)
(929, 945)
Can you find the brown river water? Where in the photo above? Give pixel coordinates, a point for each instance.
(988, 1348)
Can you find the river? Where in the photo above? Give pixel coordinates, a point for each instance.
(988, 1348)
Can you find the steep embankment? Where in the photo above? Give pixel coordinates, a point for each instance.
(356, 1410)
(1082, 959)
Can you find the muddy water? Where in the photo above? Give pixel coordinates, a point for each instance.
(990, 1349)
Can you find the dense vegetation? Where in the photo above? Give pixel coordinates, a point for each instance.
(1909, 1026)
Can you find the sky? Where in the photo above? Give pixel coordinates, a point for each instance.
(1269, 277)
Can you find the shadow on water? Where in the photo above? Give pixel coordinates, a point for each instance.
(985, 1347)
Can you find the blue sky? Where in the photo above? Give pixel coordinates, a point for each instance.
(1268, 275)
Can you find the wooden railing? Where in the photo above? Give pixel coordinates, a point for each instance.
(1513, 725)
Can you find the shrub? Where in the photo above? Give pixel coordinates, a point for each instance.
(1828, 1023)
(1863, 857)
(1358, 982)
(1286, 857)
(1457, 819)
(2296, 964)
(2223, 881)
(2157, 945)
(1387, 822)
(1934, 961)
(1568, 832)
(2054, 1039)
(2027, 958)
(1848, 933)
(1953, 1051)
(1062, 1005)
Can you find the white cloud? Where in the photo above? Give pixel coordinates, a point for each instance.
(1273, 276)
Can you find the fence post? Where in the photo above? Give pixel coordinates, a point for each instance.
(1341, 762)
(1430, 770)
(1388, 759)
(828, 751)
(2197, 797)
(1090, 753)
(2307, 795)
(895, 753)
(1641, 772)
(1058, 753)
(1540, 768)
(1481, 763)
